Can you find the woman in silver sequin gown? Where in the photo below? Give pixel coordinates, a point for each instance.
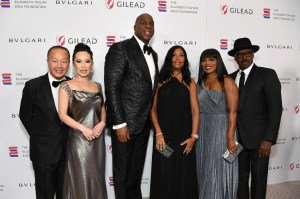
(218, 99)
(81, 107)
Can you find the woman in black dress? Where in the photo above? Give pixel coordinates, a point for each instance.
(175, 115)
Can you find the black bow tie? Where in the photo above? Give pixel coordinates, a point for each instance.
(57, 83)
(148, 49)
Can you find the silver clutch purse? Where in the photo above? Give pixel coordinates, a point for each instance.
(230, 157)
(167, 152)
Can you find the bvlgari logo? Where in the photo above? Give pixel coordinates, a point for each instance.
(295, 138)
(278, 167)
(225, 9)
(26, 184)
(27, 40)
(280, 46)
(180, 42)
(74, 2)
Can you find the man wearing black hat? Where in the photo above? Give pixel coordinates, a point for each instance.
(259, 113)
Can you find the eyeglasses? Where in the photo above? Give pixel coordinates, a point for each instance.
(247, 54)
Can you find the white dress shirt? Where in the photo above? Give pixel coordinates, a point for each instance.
(54, 90)
(246, 71)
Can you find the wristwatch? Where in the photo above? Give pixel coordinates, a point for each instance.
(195, 136)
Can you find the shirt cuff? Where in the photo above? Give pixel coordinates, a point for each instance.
(119, 126)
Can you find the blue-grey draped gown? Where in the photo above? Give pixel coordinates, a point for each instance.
(217, 179)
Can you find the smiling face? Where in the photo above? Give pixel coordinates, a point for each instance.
(178, 59)
(144, 28)
(209, 65)
(58, 62)
(83, 64)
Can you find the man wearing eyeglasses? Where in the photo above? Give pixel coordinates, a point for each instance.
(259, 114)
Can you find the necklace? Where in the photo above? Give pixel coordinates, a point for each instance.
(176, 74)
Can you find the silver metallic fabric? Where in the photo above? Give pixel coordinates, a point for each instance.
(85, 167)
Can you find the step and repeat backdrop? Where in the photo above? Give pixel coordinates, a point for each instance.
(30, 28)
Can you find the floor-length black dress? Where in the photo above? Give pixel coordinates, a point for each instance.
(174, 177)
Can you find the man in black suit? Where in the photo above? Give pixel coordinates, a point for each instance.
(48, 135)
(130, 77)
(259, 113)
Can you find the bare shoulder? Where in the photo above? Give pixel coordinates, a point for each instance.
(228, 79)
(193, 82)
(229, 83)
(193, 85)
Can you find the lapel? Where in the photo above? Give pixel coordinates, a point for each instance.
(154, 55)
(47, 92)
(250, 82)
(141, 61)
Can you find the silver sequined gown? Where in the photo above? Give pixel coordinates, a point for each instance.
(85, 166)
(217, 179)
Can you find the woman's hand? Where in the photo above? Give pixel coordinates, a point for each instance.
(87, 133)
(98, 129)
(160, 141)
(189, 145)
(231, 146)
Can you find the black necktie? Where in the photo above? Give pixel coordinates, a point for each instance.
(148, 49)
(242, 82)
(57, 83)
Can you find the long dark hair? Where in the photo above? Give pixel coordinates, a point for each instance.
(221, 69)
(167, 68)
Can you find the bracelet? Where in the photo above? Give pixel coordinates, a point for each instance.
(195, 136)
(157, 134)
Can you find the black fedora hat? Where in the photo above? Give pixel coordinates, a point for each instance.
(241, 44)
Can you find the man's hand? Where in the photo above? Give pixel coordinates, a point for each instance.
(265, 149)
(123, 134)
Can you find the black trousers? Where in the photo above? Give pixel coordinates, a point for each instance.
(49, 180)
(128, 164)
(249, 162)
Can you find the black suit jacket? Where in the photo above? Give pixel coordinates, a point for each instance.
(260, 107)
(128, 86)
(48, 135)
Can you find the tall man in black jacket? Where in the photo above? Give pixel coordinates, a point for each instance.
(130, 77)
(259, 114)
(48, 135)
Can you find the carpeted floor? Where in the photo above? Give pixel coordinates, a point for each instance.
(287, 190)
